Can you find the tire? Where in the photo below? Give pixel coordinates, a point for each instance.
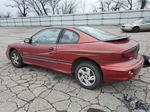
(83, 77)
(135, 29)
(16, 59)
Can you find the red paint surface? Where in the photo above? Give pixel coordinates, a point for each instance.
(114, 66)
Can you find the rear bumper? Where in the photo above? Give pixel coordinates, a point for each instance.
(124, 71)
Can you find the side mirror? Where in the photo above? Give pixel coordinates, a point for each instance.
(27, 40)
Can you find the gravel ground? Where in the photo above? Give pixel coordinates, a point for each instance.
(35, 89)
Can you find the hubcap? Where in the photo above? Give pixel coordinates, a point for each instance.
(86, 76)
(15, 58)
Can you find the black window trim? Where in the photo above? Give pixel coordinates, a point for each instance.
(62, 33)
(61, 30)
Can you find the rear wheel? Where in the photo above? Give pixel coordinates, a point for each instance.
(88, 75)
(16, 59)
(136, 29)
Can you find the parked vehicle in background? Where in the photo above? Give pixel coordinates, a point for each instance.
(92, 55)
(138, 25)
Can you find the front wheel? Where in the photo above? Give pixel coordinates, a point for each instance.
(135, 29)
(16, 59)
(89, 75)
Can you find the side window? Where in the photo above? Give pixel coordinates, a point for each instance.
(147, 21)
(48, 36)
(69, 37)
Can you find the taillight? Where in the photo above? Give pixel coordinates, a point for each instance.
(131, 53)
(128, 54)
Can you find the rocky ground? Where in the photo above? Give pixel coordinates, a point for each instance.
(35, 89)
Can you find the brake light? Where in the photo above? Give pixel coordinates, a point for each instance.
(131, 53)
(128, 54)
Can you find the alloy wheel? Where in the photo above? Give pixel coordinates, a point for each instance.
(86, 76)
(15, 58)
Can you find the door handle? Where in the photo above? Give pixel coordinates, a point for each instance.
(51, 48)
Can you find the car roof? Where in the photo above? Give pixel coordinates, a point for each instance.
(68, 27)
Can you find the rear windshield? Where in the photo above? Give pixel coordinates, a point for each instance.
(96, 33)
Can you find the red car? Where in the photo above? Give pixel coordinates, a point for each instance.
(92, 55)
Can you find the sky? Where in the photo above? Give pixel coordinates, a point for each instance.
(5, 9)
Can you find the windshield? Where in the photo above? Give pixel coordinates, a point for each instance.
(139, 21)
(96, 33)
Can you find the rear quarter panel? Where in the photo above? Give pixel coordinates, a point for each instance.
(103, 53)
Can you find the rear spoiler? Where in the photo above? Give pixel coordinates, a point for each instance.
(118, 38)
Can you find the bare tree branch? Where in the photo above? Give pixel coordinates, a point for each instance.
(54, 5)
(69, 6)
(117, 5)
(39, 6)
(128, 4)
(143, 3)
(21, 5)
(108, 4)
(43, 4)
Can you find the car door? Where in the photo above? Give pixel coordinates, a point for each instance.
(42, 49)
(68, 41)
(147, 24)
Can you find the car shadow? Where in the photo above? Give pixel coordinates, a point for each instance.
(69, 80)
(135, 32)
(61, 77)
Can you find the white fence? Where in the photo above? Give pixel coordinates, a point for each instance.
(104, 18)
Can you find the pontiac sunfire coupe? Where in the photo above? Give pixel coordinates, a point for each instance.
(90, 54)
